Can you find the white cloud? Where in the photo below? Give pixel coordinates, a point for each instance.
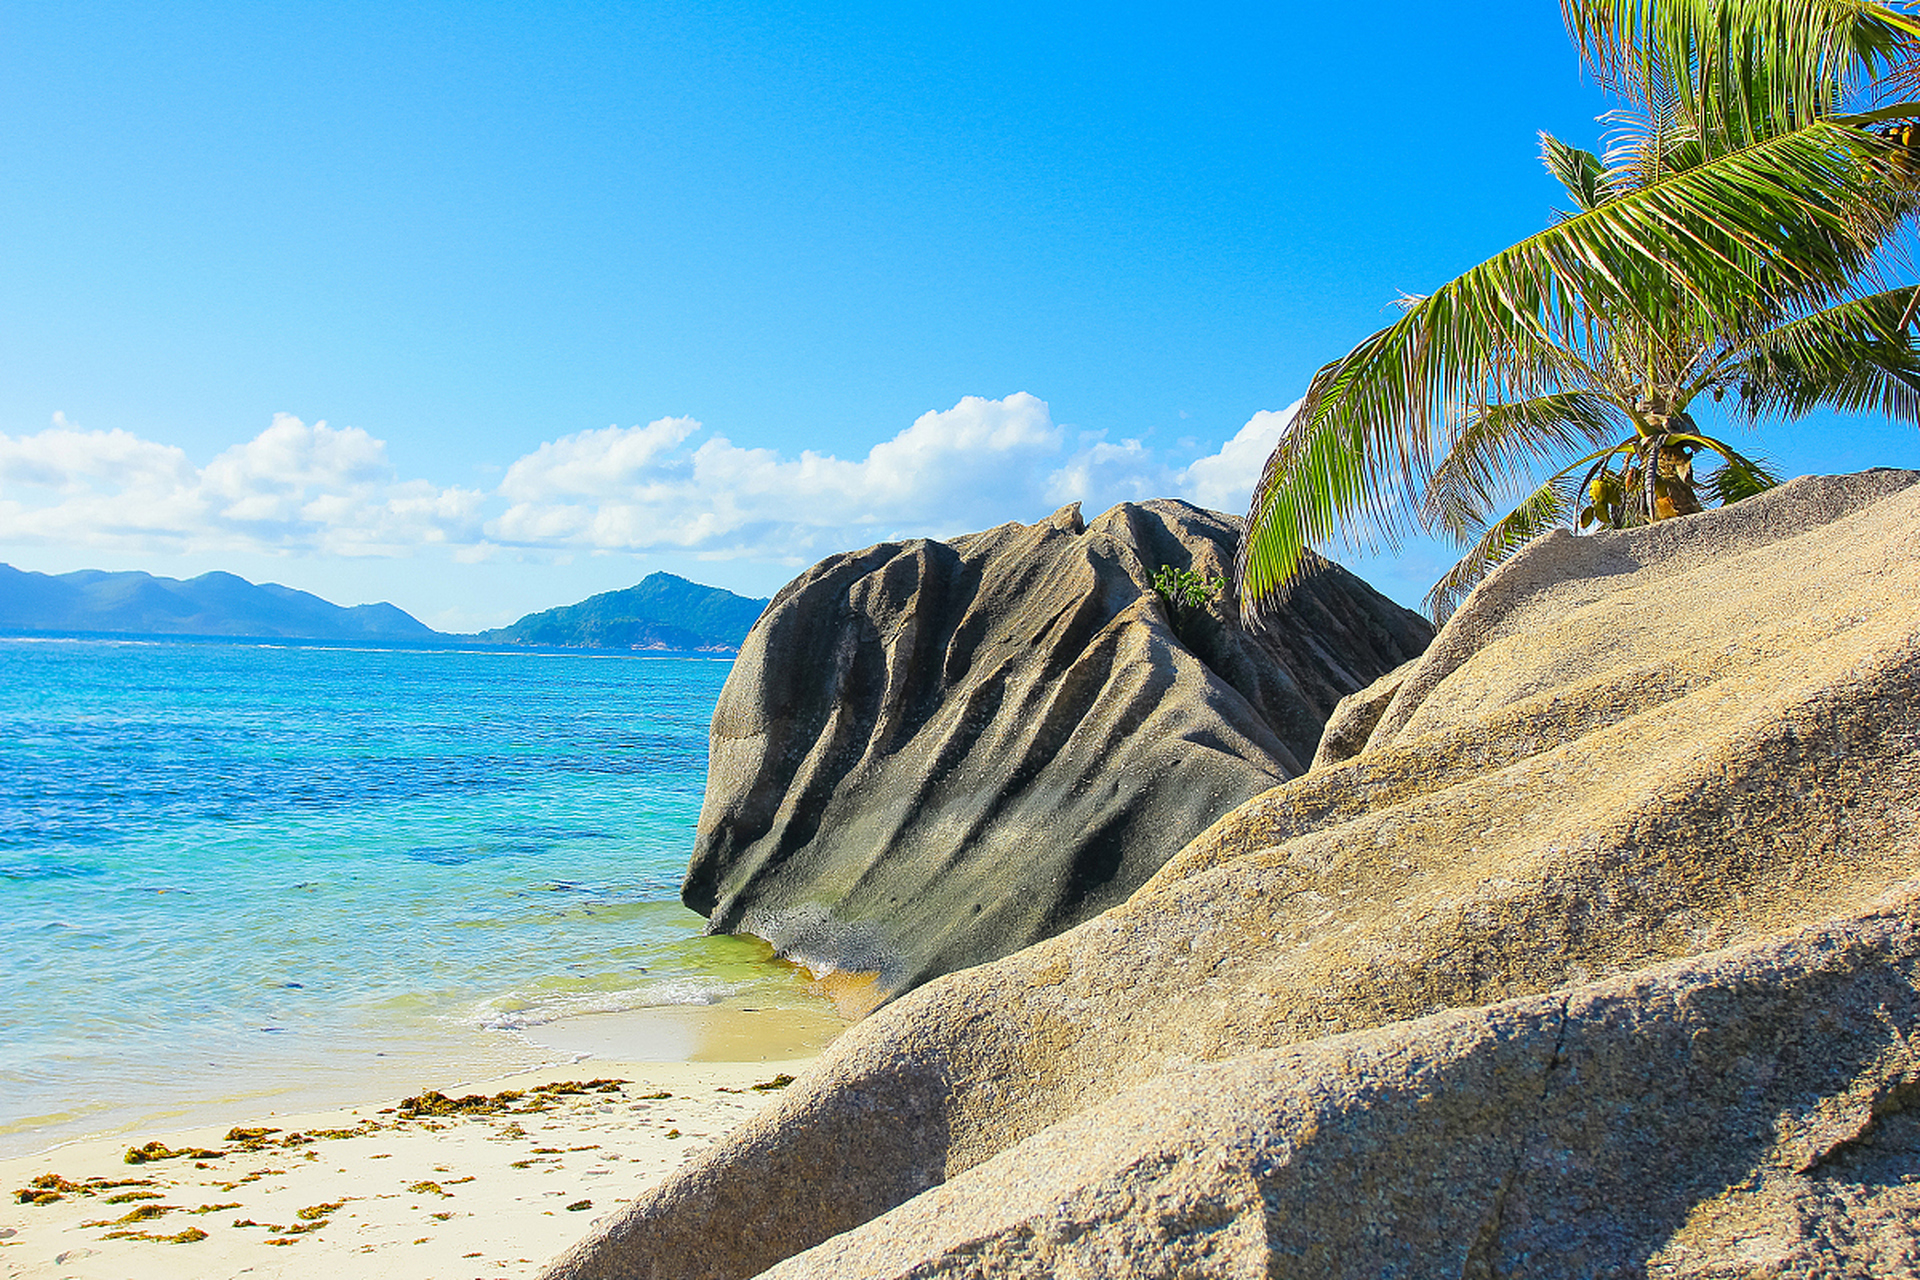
(296, 488)
(268, 479)
(600, 464)
(292, 487)
(1224, 481)
(1101, 473)
(976, 464)
(70, 460)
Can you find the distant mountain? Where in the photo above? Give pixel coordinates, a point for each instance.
(662, 612)
(213, 604)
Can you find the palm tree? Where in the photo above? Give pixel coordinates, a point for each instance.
(1723, 247)
(1747, 67)
(1619, 404)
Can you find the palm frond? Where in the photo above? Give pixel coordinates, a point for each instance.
(1900, 82)
(1739, 477)
(1741, 67)
(1853, 357)
(1496, 442)
(1322, 472)
(1582, 173)
(1539, 511)
(1770, 225)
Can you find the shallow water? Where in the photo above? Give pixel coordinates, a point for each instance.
(255, 871)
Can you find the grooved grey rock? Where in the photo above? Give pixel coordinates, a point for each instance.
(930, 754)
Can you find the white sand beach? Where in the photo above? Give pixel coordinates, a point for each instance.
(450, 1188)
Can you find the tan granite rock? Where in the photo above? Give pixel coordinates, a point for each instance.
(1596, 957)
(1707, 1103)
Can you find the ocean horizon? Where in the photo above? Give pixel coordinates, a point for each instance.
(278, 873)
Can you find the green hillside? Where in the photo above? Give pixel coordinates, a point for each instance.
(213, 604)
(661, 612)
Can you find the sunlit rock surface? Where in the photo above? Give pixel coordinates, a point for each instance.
(1592, 954)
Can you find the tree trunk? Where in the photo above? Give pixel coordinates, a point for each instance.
(1673, 493)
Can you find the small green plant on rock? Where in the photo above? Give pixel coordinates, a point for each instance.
(1186, 592)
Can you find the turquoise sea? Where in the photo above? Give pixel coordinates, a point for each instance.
(273, 874)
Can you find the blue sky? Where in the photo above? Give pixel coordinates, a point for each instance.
(581, 291)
